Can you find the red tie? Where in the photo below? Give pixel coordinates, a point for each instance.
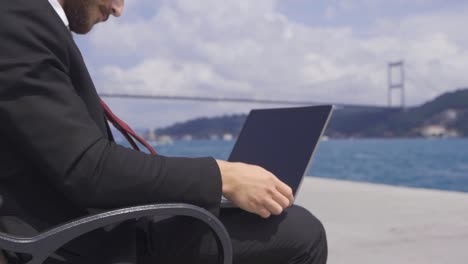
(128, 133)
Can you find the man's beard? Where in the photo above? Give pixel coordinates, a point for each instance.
(78, 15)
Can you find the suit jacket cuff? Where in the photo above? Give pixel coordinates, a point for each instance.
(203, 180)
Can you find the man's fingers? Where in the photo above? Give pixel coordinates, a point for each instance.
(281, 199)
(264, 213)
(273, 207)
(285, 190)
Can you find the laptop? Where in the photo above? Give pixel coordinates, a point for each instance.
(282, 141)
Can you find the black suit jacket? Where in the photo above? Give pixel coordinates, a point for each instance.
(56, 152)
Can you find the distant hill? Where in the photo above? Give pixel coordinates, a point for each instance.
(205, 128)
(446, 115)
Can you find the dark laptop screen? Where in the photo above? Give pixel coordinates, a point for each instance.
(281, 140)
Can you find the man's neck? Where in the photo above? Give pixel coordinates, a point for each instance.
(61, 2)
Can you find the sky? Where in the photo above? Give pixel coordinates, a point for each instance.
(333, 51)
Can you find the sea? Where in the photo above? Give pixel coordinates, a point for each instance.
(422, 163)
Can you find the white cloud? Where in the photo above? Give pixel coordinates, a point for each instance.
(157, 76)
(330, 13)
(244, 48)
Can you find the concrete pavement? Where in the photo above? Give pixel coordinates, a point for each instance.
(379, 224)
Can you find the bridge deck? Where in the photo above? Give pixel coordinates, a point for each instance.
(243, 100)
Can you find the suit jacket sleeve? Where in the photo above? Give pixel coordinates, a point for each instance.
(42, 114)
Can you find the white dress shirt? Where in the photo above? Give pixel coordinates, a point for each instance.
(59, 9)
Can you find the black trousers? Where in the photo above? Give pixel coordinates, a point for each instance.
(295, 237)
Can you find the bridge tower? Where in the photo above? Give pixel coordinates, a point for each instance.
(396, 81)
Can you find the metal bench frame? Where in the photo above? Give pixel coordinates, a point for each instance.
(41, 246)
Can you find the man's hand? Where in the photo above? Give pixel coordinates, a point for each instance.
(254, 189)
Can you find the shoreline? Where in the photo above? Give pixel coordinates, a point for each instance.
(387, 185)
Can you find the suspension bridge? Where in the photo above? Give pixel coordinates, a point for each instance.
(242, 100)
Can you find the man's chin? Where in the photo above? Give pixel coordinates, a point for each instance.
(81, 30)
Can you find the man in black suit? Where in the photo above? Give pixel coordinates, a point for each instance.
(58, 157)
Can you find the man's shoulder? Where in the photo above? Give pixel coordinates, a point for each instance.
(25, 24)
(32, 32)
(23, 5)
(29, 15)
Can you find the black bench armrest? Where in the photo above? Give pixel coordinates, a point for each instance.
(40, 247)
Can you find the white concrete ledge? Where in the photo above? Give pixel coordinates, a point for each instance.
(379, 224)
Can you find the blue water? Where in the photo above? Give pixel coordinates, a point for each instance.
(437, 164)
